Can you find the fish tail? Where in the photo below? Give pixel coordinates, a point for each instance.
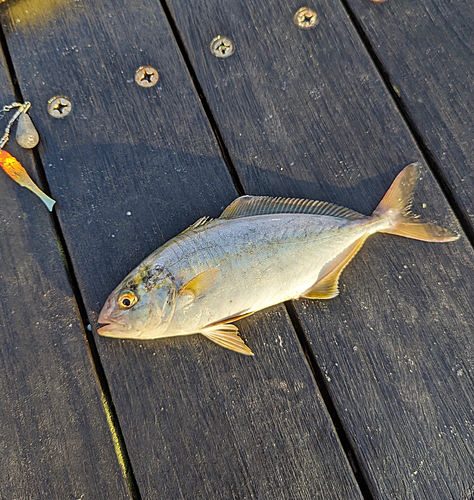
(396, 204)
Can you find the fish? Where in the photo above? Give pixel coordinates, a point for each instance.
(261, 251)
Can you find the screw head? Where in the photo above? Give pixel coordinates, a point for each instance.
(306, 18)
(222, 47)
(146, 76)
(59, 106)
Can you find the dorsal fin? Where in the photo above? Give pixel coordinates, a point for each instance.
(200, 222)
(246, 206)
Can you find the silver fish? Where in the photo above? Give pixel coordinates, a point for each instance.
(261, 251)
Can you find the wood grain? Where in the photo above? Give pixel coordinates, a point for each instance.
(304, 113)
(432, 72)
(130, 168)
(54, 438)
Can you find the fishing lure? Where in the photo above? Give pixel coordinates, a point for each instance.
(27, 137)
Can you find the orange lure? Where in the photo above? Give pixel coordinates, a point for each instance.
(15, 170)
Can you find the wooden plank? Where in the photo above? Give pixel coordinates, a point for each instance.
(432, 71)
(130, 168)
(304, 113)
(54, 438)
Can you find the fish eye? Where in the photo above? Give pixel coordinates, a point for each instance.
(127, 299)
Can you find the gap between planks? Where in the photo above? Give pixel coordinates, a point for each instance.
(313, 365)
(202, 98)
(109, 408)
(407, 117)
(328, 402)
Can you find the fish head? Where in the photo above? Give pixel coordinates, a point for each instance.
(141, 307)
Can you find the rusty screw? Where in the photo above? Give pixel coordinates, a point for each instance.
(59, 106)
(306, 18)
(222, 47)
(146, 76)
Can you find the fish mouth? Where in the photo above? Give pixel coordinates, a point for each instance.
(111, 328)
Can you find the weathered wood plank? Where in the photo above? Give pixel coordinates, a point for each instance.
(432, 71)
(54, 438)
(131, 167)
(305, 114)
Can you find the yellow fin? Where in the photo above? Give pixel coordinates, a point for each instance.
(399, 196)
(424, 231)
(200, 283)
(397, 203)
(227, 336)
(327, 287)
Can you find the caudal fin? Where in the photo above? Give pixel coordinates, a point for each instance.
(397, 204)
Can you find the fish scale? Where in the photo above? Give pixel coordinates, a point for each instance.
(285, 260)
(261, 251)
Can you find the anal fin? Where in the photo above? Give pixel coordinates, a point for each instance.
(327, 287)
(227, 336)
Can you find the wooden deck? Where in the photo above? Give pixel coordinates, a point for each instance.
(367, 396)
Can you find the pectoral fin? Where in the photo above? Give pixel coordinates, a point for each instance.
(200, 283)
(327, 287)
(227, 336)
